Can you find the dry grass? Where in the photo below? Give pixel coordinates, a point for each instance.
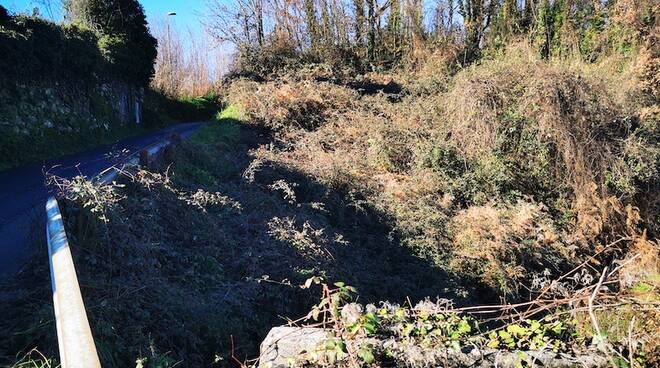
(511, 137)
(505, 248)
(179, 259)
(289, 104)
(576, 117)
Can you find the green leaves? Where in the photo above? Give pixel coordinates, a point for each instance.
(517, 330)
(366, 353)
(493, 341)
(332, 300)
(424, 327)
(335, 350)
(124, 39)
(507, 339)
(530, 334)
(367, 325)
(370, 323)
(464, 327)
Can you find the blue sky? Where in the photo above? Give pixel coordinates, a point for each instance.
(189, 12)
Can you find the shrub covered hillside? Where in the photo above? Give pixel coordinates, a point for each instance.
(526, 174)
(506, 173)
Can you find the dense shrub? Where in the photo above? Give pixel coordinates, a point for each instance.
(491, 185)
(264, 62)
(280, 58)
(4, 14)
(285, 106)
(512, 135)
(127, 59)
(500, 246)
(37, 50)
(124, 38)
(160, 109)
(62, 85)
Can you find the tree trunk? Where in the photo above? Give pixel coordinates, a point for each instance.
(259, 10)
(312, 24)
(371, 45)
(359, 22)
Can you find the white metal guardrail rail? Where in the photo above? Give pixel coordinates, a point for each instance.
(74, 336)
(108, 175)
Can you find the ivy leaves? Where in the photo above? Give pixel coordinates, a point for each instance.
(530, 334)
(356, 330)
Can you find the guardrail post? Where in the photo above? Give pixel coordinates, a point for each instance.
(144, 158)
(74, 336)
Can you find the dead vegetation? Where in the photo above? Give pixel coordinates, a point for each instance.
(208, 248)
(513, 173)
(510, 130)
(289, 104)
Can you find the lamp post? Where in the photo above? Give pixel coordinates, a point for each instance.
(169, 59)
(169, 40)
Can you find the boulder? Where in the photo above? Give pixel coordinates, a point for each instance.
(284, 344)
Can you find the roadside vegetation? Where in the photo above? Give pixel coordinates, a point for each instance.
(70, 87)
(491, 184)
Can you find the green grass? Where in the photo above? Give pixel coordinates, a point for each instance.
(34, 359)
(231, 112)
(159, 107)
(223, 133)
(223, 130)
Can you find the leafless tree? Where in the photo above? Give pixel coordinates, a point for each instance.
(241, 22)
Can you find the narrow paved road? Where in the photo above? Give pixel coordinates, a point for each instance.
(23, 191)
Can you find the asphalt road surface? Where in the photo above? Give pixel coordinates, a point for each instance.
(23, 191)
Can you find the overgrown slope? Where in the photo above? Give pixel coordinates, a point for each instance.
(511, 180)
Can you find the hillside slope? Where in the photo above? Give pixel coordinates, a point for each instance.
(512, 180)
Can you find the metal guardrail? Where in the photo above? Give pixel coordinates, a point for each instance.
(108, 175)
(74, 336)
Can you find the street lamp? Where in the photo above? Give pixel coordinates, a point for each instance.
(168, 53)
(170, 14)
